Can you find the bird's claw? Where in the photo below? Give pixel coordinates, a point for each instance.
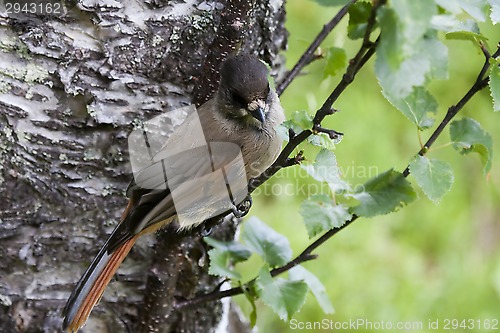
(243, 208)
(205, 230)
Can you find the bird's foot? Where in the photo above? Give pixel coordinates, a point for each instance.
(243, 208)
(205, 230)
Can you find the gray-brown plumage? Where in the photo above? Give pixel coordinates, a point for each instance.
(244, 112)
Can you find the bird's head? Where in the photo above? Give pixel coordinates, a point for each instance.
(244, 91)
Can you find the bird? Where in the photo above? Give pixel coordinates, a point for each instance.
(243, 113)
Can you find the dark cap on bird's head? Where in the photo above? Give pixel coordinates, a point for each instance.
(244, 87)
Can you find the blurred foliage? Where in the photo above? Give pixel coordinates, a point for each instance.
(427, 261)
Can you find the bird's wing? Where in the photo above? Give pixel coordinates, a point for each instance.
(196, 182)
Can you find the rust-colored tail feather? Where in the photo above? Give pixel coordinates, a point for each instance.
(91, 286)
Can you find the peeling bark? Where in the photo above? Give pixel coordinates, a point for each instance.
(72, 87)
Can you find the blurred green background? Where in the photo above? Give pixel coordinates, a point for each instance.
(425, 262)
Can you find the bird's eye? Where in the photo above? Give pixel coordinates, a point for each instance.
(238, 100)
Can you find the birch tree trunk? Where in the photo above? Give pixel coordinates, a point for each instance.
(73, 86)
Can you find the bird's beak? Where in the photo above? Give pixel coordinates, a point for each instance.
(259, 114)
(257, 110)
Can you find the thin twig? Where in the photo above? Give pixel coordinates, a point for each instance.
(366, 50)
(332, 134)
(359, 60)
(479, 84)
(308, 55)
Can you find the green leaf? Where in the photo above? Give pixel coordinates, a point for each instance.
(237, 250)
(325, 169)
(251, 299)
(315, 285)
(302, 119)
(458, 30)
(331, 3)
(414, 17)
(444, 22)
(417, 106)
(273, 247)
(320, 214)
(298, 121)
(465, 35)
(322, 140)
(468, 136)
(495, 86)
(220, 261)
(358, 19)
(452, 6)
(336, 60)
(410, 54)
(428, 61)
(389, 51)
(283, 296)
(449, 23)
(282, 130)
(475, 8)
(438, 60)
(434, 177)
(495, 11)
(403, 26)
(224, 255)
(383, 194)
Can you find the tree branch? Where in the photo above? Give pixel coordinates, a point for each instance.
(366, 50)
(308, 55)
(479, 84)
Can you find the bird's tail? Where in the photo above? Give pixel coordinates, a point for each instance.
(91, 286)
